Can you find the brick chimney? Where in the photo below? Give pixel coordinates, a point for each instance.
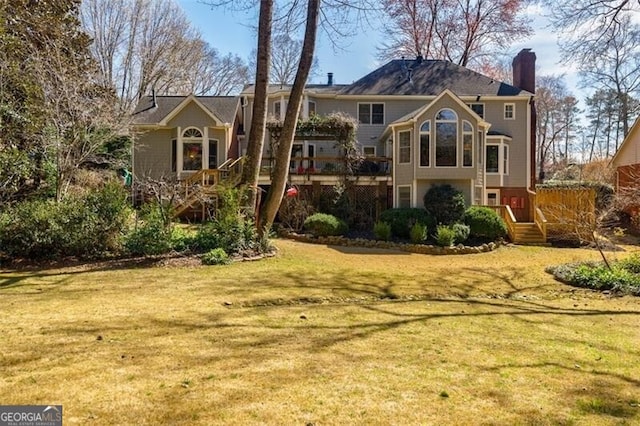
(524, 77)
(329, 79)
(524, 70)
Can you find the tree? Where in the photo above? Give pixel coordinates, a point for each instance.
(49, 94)
(557, 119)
(145, 45)
(251, 171)
(285, 55)
(283, 153)
(460, 31)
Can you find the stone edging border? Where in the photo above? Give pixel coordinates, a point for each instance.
(412, 248)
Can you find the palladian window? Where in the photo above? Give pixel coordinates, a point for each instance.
(191, 149)
(446, 138)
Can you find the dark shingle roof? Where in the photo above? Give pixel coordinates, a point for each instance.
(223, 107)
(428, 78)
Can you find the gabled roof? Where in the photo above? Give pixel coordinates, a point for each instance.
(221, 108)
(428, 78)
(627, 144)
(412, 116)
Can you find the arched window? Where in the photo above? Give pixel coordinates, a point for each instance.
(467, 144)
(191, 149)
(446, 138)
(425, 141)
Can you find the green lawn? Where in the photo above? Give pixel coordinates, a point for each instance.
(323, 335)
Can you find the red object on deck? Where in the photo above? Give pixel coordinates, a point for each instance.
(292, 192)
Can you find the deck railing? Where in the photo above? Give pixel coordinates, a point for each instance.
(370, 166)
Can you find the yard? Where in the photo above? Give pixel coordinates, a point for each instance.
(322, 335)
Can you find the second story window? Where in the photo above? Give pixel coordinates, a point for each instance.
(478, 109)
(312, 108)
(446, 138)
(509, 111)
(467, 144)
(404, 147)
(425, 141)
(371, 113)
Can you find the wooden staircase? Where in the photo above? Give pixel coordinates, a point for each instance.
(528, 233)
(200, 196)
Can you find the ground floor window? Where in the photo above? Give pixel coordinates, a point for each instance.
(191, 156)
(404, 196)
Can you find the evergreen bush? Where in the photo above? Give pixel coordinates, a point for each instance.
(418, 233)
(403, 219)
(322, 225)
(445, 203)
(484, 222)
(382, 231)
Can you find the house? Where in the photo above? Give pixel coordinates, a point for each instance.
(421, 122)
(626, 162)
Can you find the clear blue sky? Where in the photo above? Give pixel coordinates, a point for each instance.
(231, 32)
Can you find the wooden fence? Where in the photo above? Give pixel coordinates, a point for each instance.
(570, 212)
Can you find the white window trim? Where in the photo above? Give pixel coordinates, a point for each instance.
(397, 200)
(484, 107)
(369, 147)
(399, 146)
(499, 146)
(435, 139)
(505, 159)
(492, 191)
(180, 148)
(473, 143)
(513, 115)
(209, 140)
(419, 149)
(384, 113)
(503, 163)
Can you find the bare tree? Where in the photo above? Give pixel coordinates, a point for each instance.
(283, 153)
(556, 123)
(145, 45)
(460, 31)
(285, 55)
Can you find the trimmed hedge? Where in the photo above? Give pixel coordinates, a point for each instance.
(484, 222)
(323, 225)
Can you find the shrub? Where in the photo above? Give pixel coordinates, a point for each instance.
(631, 263)
(216, 257)
(461, 231)
(322, 225)
(230, 234)
(403, 219)
(444, 203)
(152, 235)
(181, 239)
(445, 236)
(418, 233)
(90, 225)
(597, 276)
(382, 231)
(484, 222)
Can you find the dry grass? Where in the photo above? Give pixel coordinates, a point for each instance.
(323, 335)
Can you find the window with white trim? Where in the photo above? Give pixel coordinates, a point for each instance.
(371, 113)
(191, 149)
(369, 151)
(213, 153)
(404, 196)
(404, 147)
(312, 108)
(505, 159)
(279, 109)
(477, 108)
(446, 138)
(509, 111)
(467, 144)
(493, 158)
(425, 143)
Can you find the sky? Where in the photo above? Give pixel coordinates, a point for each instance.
(231, 32)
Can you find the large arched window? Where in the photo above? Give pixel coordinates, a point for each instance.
(191, 149)
(446, 138)
(467, 144)
(425, 141)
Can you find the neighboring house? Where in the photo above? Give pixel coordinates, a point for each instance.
(422, 122)
(626, 162)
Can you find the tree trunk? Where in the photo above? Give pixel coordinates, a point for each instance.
(283, 155)
(251, 169)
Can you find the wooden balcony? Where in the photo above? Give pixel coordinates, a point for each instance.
(330, 166)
